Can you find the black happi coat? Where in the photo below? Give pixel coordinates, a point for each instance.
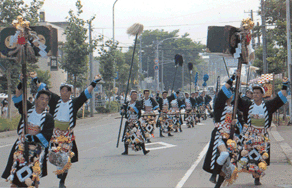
(204, 100)
(46, 132)
(219, 116)
(138, 108)
(169, 99)
(74, 104)
(193, 102)
(270, 106)
(152, 101)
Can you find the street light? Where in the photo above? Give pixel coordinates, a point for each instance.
(114, 41)
(157, 57)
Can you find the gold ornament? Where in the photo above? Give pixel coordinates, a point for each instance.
(263, 165)
(265, 155)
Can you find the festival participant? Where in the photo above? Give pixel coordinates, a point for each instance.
(165, 122)
(133, 133)
(204, 101)
(197, 98)
(222, 152)
(190, 109)
(255, 154)
(63, 149)
(149, 105)
(39, 129)
(176, 106)
(248, 94)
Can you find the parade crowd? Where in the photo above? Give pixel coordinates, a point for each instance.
(239, 143)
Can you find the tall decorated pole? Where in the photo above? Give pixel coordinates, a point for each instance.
(196, 81)
(134, 30)
(205, 79)
(23, 44)
(190, 66)
(242, 54)
(231, 41)
(178, 60)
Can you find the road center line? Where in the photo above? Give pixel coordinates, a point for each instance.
(190, 171)
(6, 145)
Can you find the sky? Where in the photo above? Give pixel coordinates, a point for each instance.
(189, 16)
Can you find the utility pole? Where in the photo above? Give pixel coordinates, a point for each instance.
(140, 60)
(183, 76)
(263, 15)
(289, 51)
(157, 71)
(114, 44)
(147, 66)
(162, 71)
(92, 100)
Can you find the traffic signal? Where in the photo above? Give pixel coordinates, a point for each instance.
(46, 45)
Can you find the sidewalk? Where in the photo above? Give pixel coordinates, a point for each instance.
(80, 122)
(283, 136)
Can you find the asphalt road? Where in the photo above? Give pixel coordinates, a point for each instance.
(173, 161)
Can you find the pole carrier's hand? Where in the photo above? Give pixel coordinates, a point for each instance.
(285, 85)
(94, 82)
(19, 86)
(31, 138)
(230, 81)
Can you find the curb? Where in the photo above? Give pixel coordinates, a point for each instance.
(14, 132)
(284, 145)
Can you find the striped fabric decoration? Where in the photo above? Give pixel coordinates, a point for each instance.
(214, 152)
(43, 119)
(71, 114)
(22, 123)
(57, 108)
(266, 116)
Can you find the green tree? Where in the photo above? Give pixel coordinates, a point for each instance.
(76, 49)
(276, 37)
(10, 9)
(107, 54)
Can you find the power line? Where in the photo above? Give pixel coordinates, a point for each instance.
(169, 25)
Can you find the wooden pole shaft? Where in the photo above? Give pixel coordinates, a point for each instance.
(237, 85)
(121, 123)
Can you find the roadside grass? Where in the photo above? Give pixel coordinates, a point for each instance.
(9, 124)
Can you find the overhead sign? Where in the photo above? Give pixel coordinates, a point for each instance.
(156, 67)
(156, 60)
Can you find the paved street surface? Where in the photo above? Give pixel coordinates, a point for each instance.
(173, 161)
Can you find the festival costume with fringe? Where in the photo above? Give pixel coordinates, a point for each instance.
(41, 125)
(255, 150)
(203, 103)
(175, 106)
(63, 149)
(149, 119)
(221, 132)
(164, 120)
(133, 135)
(189, 117)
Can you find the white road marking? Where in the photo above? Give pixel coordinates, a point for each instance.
(164, 145)
(6, 145)
(190, 171)
(277, 136)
